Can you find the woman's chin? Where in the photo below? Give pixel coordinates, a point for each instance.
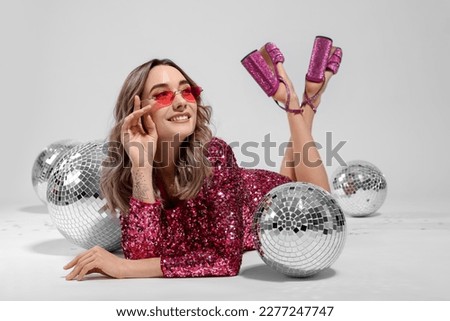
(177, 135)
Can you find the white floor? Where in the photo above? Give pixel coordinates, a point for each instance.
(401, 253)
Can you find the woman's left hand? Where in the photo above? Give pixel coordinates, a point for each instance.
(95, 260)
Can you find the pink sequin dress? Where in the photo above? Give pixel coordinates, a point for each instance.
(206, 235)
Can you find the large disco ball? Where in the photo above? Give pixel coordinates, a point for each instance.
(43, 165)
(360, 188)
(75, 202)
(299, 229)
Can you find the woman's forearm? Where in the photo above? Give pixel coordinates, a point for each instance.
(144, 268)
(143, 184)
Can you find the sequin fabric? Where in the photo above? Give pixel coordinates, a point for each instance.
(319, 59)
(206, 235)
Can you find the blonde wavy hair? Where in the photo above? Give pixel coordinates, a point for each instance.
(192, 166)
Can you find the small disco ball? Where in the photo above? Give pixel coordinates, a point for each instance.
(299, 229)
(360, 188)
(43, 165)
(75, 202)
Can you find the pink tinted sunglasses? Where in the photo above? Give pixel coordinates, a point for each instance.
(166, 97)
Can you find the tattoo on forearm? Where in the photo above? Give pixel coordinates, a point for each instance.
(140, 188)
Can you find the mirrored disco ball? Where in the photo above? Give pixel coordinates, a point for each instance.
(299, 229)
(75, 203)
(43, 165)
(360, 188)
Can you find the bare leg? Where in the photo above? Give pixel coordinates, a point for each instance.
(302, 162)
(287, 165)
(311, 89)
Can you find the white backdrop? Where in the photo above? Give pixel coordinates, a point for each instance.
(63, 62)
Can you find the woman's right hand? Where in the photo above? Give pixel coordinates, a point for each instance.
(139, 135)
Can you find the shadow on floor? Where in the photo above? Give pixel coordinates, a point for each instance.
(265, 273)
(35, 209)
(376, 214)
(93, 277)
(60, 247)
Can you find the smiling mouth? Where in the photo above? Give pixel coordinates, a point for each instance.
(180, 118)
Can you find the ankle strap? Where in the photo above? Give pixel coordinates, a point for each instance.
(309, 100)
(288, 95)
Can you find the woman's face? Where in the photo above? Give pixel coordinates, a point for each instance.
(171, 117)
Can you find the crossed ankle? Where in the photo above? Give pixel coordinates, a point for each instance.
(294, 101)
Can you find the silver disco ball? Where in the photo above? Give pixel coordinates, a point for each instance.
(299, 229)
(360, 188)
(43, 165)
(76, 205)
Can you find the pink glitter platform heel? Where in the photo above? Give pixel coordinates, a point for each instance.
(320, 62)
(266, 77)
